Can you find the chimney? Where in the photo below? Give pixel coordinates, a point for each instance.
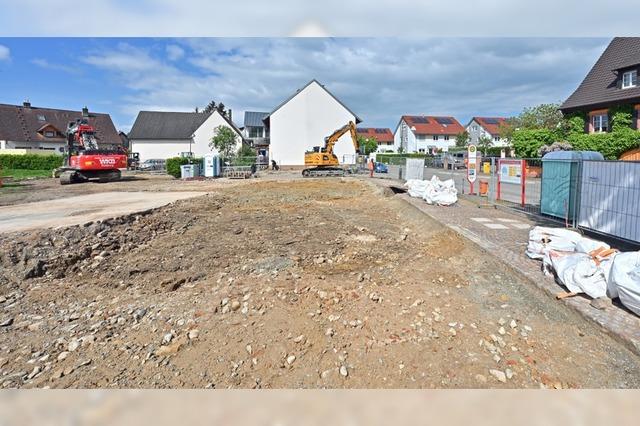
(229, 114)
(26, 104)
(85, 112)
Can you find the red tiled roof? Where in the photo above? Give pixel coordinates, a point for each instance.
(492, 127)
(380, 134)
(432, 126)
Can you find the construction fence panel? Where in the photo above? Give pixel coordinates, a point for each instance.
(609, 198)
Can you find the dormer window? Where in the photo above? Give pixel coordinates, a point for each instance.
(629, 79)
(41, 118)
(49, 134)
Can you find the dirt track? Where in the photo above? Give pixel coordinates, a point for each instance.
(303, 283)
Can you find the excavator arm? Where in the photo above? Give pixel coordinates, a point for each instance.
(330, 141)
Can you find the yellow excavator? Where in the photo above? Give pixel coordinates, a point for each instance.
(323, 160)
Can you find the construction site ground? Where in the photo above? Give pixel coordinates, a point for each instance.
(281, 282)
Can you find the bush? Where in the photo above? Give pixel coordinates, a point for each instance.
(396, 158)
(610, 145)
(173, 164)
(30, 161)
(527, 142)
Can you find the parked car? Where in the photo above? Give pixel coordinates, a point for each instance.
(380, 168)
(150, 165)
(456, 160)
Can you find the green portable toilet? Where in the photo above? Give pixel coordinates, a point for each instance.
(559, 191)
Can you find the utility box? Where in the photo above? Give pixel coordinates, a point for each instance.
(560, 186)
(212, 166)
(415, 168)
(189, 171)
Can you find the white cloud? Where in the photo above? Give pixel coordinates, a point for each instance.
(174, 52)
(43, 63)
(5, 53)
(379, 78)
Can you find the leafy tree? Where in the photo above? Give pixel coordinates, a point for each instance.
(484, 143)
(225, 141)
(462, 139)
(246, 151)
(211, 106)
(367, 145)
(543, 116)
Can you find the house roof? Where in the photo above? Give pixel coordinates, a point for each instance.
(266, 119)
(254, 118)
(170, 125)
(27, 124)
(380, 134)
(432, 125)
(490, 124)
(601, 86)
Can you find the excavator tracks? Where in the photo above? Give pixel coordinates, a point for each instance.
(323, 172)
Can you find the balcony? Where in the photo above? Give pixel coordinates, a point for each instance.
(258, 142)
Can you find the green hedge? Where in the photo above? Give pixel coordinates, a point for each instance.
(173, 164)
(30, 161)
(398, 158)
(610, 145)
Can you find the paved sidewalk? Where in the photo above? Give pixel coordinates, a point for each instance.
(506, 235)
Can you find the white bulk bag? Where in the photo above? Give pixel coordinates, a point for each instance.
(624, 280)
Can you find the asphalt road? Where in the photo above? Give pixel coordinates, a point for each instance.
(83, 208)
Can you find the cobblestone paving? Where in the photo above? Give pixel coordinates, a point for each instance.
(508, 243)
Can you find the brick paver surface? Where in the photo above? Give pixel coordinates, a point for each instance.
(506, 235)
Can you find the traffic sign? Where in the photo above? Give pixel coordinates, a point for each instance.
(472, 164)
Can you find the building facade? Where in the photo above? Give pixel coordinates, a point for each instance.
(488, 127)
(302, 122)
(426, 134)
(612, 82)
(158, 135)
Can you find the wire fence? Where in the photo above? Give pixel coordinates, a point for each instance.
(599, 196)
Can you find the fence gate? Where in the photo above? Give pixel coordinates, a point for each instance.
(610, 198)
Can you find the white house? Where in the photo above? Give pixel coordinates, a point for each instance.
(161, 135)
(303, 121)
(425, 133)
(382, 136)
(486, 127)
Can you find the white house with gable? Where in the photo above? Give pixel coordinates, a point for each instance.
(161, 135)
(303, 121)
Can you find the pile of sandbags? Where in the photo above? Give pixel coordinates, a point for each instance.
(585, 265)
(434, 191)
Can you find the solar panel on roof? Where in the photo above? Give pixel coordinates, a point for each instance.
(491, 121)
(421, 120)
(380, 131)
(444, 120)
(361, 130)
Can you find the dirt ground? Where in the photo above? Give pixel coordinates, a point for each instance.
(284, 284)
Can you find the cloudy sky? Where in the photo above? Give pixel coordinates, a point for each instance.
(378, 78)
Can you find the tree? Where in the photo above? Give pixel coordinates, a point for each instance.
(462, 139)
(367, 145)
(211, 106)
(484, 142)
(225, 141)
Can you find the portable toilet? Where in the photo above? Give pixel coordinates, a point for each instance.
(559, 190)
(212, 166)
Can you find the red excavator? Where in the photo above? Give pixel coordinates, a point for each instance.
(85, 160)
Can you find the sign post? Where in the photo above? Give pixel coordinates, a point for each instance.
(512, 171)
(472, 166)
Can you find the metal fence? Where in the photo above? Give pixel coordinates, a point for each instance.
(600, 196)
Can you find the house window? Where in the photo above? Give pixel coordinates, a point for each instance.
(49, 134)
(630, 79)
(255, 132)
(474, 128)
(41, 117)
(421, 150)
(496, 138)
(446, 137)
(600, 123)
(435, 137)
